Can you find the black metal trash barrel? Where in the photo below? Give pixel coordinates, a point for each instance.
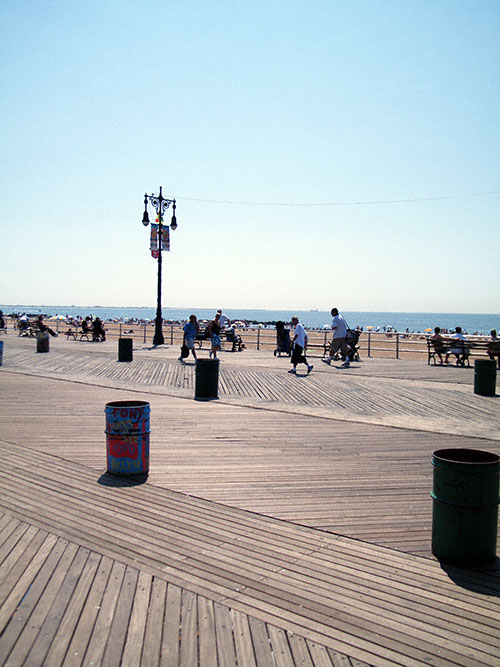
(42, 341)
(485, 377)
(465, 497)
(207, 379)
(125, 349)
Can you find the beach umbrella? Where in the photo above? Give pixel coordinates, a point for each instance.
(369, 327)
(428, 329)
(58, 317)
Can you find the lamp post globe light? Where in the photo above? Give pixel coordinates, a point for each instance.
(160, 204)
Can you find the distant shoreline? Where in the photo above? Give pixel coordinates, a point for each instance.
(403, 322)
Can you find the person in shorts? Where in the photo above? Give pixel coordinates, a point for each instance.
(190, 330)
(339, 340)
(214, 328)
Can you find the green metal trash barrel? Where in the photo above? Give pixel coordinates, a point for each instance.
(485, 377)
(42, 341)
(465, 497)
(207, 379)
(125, 349)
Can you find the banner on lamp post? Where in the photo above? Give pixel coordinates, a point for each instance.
(165, 242)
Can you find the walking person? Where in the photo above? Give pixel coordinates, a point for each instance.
(224, 319)
(339, 340)
(299, 348)
(214, 328)
(191, 329)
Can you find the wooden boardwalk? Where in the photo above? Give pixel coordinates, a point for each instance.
(269, 531)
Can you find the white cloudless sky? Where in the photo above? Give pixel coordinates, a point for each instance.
(320, 153)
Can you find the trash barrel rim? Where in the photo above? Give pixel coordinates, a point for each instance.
(465, 455)
(127, 404)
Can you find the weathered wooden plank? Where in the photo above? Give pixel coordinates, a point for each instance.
(87, 634)
(121, 605)
(14, 545)
(17, 627)
(64, 633)
(261, 643)
(151, 651)
(281, 647)
(319, 654)
(243, 639)
(22, 574)
(58, 607)
(226, 654)
(300, 651)
(189, 629)
(170, 651)
(207, 635)
(134, 643)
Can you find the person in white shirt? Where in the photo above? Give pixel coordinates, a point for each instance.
(299, 343)
(460, 350)
(224, 319)
(339, 340)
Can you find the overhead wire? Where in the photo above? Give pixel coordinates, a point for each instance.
(339, 203)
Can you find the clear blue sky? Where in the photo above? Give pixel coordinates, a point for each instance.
(270, 102)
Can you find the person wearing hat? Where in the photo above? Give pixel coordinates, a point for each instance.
(299, 344)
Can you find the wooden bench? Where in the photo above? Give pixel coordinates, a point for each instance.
(88, 335)
(462, 349)
(26, 328)
(234, 339)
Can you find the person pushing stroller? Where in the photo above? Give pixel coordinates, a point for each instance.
(339, 340)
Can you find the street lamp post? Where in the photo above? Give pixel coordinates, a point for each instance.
(160, 204)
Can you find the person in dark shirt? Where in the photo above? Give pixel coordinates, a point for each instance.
(98, 333)
(214, 328)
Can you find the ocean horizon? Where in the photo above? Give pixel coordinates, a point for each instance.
(471, 323)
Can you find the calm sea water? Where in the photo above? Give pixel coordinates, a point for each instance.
(470, 322)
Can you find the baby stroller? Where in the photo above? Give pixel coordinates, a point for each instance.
(235, 339)
(282, 339)
(351, 340)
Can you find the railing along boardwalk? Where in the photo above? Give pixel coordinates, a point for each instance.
(381, 344)
(263, 536)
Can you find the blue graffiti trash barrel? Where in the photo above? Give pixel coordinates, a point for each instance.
(1, 352)
(465, 496)
(127, 437)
